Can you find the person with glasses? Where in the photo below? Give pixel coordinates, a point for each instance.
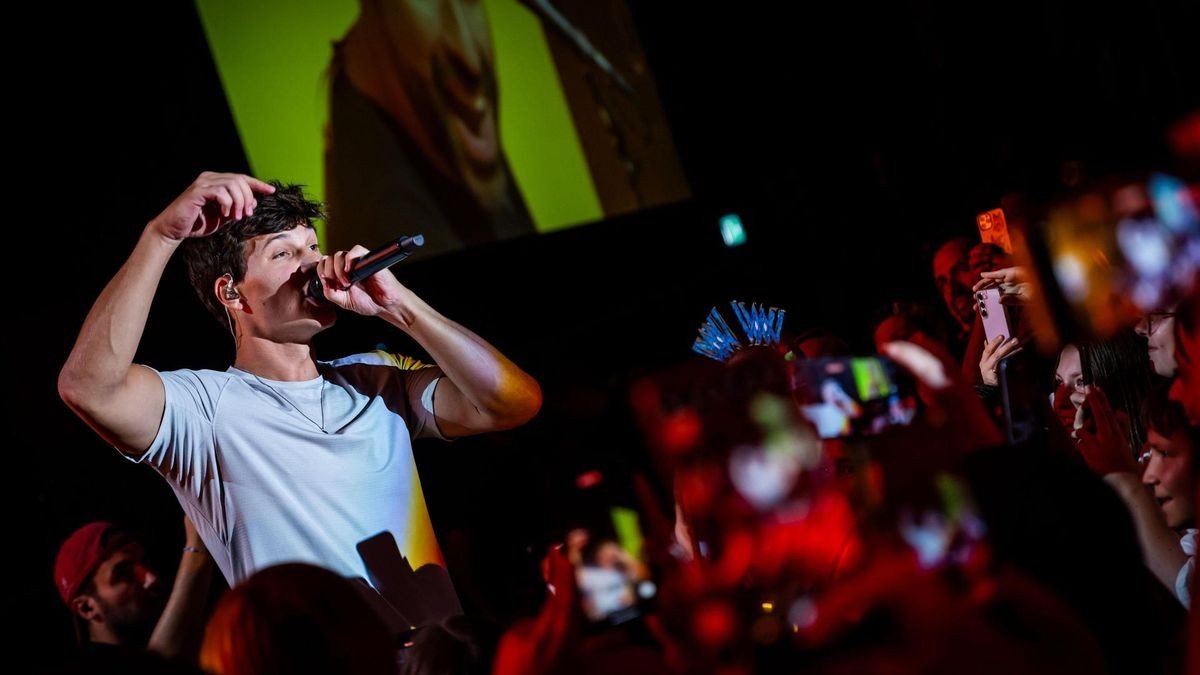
(1159, 489)
(1158, 328)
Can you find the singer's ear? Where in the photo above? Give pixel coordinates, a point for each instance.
(226, 291)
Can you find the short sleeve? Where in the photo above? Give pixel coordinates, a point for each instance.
(420, 386)
(1183, 582)
(183, 449)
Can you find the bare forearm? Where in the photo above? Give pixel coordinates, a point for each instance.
(492, 383)
(1160, 544)
(104, 351)
(177, 633)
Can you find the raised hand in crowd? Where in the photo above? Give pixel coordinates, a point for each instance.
(994, 352)
(1101, 435)
(1015, 284)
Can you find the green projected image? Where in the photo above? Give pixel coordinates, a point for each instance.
(463, 120)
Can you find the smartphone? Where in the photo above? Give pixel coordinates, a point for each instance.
(853, 396)
(420, 597)
(614, 580)
(1025, 410)
(993, 314)
(993, 229)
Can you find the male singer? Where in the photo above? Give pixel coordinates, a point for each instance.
(282, 457)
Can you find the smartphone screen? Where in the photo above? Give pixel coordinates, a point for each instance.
(614, 580)
(852, 396)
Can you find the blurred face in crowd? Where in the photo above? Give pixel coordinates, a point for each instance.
(1068, 386)
(1159, 330)
(953, 277)
(1169, 473)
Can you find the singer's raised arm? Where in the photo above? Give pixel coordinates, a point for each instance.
(279, 456)
(483, 390)
(119, 400)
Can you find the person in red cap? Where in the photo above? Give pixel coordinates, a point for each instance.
(117, 603)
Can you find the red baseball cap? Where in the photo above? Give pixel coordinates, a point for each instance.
(79, 556)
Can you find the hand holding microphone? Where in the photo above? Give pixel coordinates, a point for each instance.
(375, 260)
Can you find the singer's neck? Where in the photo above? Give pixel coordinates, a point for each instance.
(286, 362)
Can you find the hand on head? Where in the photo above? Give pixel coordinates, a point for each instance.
(211, 201)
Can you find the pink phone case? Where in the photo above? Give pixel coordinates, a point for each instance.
(995, 319)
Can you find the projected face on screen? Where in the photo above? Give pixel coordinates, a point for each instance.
(416, 114)
(466, 121)
(440, 85)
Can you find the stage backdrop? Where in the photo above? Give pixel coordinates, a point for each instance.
(465, 120)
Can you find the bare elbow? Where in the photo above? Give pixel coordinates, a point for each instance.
(80, 392)
(70, 389)
(521, 406)
(532, 401)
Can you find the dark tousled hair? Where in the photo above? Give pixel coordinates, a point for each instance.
(1120, 367)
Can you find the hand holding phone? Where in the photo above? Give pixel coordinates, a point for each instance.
(995, 318)
(1013, 282)
(537, 645)
(995, 351)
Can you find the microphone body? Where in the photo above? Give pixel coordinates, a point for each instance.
(376, 259)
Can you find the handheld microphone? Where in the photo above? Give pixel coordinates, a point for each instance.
(377, 259)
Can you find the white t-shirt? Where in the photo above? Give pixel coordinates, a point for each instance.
(1183, 580)
(264, 484)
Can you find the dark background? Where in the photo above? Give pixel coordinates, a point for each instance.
(848, 138)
